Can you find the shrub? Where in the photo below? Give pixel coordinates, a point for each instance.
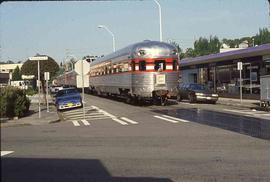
(30, 91)
(13, 102)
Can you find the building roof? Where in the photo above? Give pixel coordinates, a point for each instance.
(230, 55)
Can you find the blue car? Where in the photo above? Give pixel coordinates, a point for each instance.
(68, 98)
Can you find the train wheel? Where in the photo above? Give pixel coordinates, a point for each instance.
(155, 100)
(163, 101)
(129, 99)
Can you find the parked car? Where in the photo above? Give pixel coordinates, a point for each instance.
(55, 89)
(195, 93)
(68, 98)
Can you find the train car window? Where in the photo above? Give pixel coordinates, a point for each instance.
(160, 64)
(174, 65)
(125, 67)
(142, 65)
(120, 68)
(133, 66)
(110, 70)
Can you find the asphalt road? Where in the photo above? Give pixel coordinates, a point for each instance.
(121, 142)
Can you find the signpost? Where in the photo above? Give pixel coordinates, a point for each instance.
(82, 68)
(240, 67)
(47, 78)
(38, 58)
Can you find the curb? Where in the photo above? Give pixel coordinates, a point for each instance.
(236, 105)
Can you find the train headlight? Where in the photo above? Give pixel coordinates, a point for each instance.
(141, 52)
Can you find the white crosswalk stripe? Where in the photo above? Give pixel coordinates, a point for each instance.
(177, 119)
(90, 114)
(112, 116)
(166, 119)
(85, 122)
(129, 120)
(6, 153)
(76, 123)
(93, 113)
(119, 121)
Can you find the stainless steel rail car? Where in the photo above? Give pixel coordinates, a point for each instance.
(67, 79)
(145, 70)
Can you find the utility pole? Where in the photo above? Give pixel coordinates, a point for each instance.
(269, 13)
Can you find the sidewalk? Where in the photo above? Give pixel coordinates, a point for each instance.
(236, 102)
(33, 116)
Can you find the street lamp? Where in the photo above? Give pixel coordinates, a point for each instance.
(72, 63)
(110, 32)
(38, 58)
(160, 23)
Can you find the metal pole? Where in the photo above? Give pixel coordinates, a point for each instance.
(250, 81)
(160, 22)
(39, 110)
(83, 89)
(47, 94)
(240, 86)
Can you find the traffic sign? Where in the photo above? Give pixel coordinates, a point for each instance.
(38, 58)
(239, 65)
(82, 67)
(47, 76)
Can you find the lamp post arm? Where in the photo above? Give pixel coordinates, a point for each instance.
(110, 32)
(160, 22)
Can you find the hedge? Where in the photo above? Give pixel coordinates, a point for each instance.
(13, 102)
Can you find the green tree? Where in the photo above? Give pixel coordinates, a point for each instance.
(16, 75)
(178, 48)
(205, 46)
(189, 53)
(263, 37)
(30, 67)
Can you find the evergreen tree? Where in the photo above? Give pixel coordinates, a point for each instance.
(16, 75)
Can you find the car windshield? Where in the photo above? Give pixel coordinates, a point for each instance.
(66, 91)
(197, 87)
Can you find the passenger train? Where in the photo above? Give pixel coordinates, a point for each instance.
(67, 79)
(146, 70)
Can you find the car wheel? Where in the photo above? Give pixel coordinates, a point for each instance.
(191, 98)
(213, 102)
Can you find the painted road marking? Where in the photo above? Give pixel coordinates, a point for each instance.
(166, 119)
(81, 117)
(119, 121)
(89, 119)
(86, 114)
(129, 120)
(85, 122)
(76, 123)
(6, 153)
(177, 119)
(110, 115)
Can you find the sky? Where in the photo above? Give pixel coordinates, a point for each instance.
(61, 28)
